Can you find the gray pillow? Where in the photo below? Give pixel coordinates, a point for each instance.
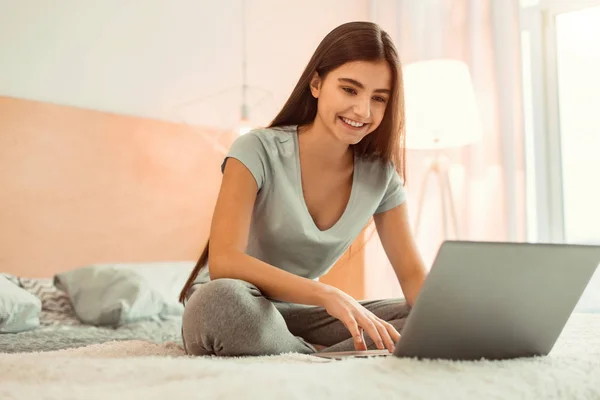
(19, 310)
(120, 293)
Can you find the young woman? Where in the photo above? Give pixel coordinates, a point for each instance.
(294, 196)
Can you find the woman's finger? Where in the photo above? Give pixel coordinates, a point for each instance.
(385, 336)
(394, 334)
(367, 324)
(355, 331)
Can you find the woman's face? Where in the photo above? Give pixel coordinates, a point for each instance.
(352, 99)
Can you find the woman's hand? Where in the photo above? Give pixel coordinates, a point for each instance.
(356, 318)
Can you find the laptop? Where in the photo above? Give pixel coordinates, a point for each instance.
(493, 300)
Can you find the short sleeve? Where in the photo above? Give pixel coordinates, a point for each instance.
(394, 194)
(250, 151)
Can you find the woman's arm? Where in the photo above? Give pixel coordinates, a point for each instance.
(398, 242)
(229, 239)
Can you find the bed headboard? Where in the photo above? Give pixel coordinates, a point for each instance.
(82, 186)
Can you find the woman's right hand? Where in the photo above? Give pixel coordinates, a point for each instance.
(356, 318)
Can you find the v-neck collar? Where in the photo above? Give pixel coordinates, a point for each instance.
(300, 191)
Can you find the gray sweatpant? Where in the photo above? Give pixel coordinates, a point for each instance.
(230, 317)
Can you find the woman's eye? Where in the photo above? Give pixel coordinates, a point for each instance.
(379, 99)
(349, 90)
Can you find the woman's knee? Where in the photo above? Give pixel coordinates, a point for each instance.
(389, 309)
(402, 308)
(401, 311)
(216, 310)
(218, 294)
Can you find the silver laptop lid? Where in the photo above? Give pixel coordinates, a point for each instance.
(496, 300)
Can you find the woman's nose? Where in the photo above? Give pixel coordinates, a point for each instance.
(363, 109)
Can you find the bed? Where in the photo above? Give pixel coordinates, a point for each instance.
(150, 370)
(52, 338)
(87, 193)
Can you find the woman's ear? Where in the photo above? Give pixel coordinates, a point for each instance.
(315, 85)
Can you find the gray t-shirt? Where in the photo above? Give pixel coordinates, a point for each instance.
(282, 231)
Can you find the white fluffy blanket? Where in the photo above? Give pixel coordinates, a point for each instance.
(142, 370)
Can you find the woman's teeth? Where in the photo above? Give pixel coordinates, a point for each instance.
(352, 123)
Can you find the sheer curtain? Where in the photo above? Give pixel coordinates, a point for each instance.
(487, 178)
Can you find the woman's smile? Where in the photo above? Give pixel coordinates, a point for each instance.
(352, 124)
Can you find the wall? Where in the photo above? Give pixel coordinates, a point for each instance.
(144, 59)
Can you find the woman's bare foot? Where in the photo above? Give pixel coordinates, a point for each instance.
(318, 347)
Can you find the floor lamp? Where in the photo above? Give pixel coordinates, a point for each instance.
(441, 113)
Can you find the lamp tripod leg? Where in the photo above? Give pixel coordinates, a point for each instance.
(421, 200)
(451, 203)
(443, 200)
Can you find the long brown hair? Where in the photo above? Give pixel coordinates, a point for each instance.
(353, 41)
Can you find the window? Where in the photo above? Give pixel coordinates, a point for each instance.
(578, 73)
(561, 86)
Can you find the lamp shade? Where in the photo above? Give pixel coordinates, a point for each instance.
(440, 105)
